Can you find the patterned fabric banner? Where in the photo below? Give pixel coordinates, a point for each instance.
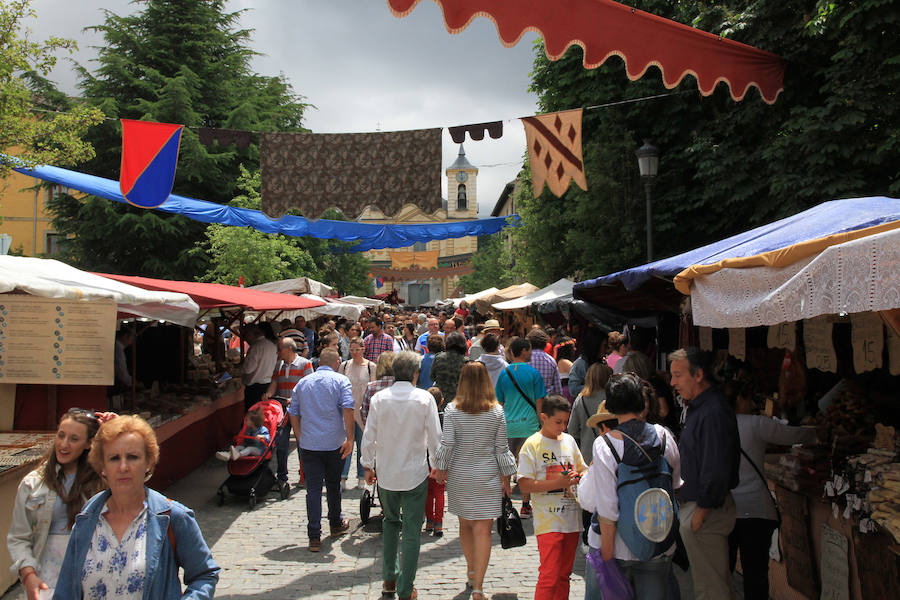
(421, 260)
(225, 137)
(314, 172)
(554, 151)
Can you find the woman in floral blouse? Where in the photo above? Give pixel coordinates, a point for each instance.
(129, 540)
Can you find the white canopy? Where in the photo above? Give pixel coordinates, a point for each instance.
(857, 276)
(554, 290)
(53, 279)
(297, 287)
(367, 302)
(470, 298)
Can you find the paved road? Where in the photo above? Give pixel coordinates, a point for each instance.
(263, 552)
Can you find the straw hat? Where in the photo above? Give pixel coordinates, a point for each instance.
(492, 324)
(601, 415)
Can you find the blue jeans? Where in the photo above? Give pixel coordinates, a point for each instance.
(283, 450)
(649, 580)
(322, 466)
(360, 472)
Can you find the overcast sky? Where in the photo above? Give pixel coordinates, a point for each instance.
(365, 70)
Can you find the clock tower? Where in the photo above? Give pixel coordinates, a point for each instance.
(462, 197)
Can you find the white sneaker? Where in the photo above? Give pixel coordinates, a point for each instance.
(361, 484)
(349, 484)
(224, 455)
(234, 453)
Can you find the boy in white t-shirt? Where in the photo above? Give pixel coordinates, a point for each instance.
(550, 465)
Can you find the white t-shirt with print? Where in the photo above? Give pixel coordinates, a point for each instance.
(544, 458)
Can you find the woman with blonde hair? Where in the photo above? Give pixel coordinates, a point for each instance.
(384, 378)
(361, 371)
(585, 406)
(475, 463)
(618, 348)
(129, 541)
(48, 500)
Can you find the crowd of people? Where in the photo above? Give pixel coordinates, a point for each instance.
(437, 406)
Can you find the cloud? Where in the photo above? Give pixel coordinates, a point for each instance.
(366, 70)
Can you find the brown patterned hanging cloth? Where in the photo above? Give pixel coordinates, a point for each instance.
(554, 151)
(313, 172)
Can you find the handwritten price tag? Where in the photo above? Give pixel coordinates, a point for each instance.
(737, 343)
(783, 335)
(867, 338)
(819, 345)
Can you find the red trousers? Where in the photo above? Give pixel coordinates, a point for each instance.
(434, 502)
(557, 552)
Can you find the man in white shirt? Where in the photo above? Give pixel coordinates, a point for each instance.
(402, 430)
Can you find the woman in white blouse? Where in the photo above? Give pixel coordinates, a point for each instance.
(48, 500)
(129, 541)
(360, 371)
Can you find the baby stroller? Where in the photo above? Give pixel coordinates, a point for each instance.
(251, 476)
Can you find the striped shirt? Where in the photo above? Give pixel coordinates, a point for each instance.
(373, 388)
(287, 375)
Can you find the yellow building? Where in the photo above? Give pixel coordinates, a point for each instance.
(430, 271)
(25, 219)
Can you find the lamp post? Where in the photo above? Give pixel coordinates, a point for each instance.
(648, 163)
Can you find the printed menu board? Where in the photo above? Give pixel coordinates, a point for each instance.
(53, 341)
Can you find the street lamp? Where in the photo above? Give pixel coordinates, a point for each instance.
(648, 163)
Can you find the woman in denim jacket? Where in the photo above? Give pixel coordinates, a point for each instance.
(48, 500)
(129, 541)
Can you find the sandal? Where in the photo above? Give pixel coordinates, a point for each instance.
(413, 596)
(469, 585)
(480, 595)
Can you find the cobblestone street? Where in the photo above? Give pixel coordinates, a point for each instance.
(263, 552)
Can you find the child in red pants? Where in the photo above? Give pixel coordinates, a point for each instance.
(550, 465)
(434, 501)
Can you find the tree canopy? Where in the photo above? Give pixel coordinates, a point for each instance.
(258, 257)
(174, 61)
(29, 127)
(725, 166)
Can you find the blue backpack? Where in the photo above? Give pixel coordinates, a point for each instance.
(647, 512)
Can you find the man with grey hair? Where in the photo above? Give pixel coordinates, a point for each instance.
(422, 326)
(710, 450)
(402, 431)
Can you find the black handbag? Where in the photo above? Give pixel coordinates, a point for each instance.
(509, 526)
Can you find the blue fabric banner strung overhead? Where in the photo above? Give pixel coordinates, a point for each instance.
(370, 236)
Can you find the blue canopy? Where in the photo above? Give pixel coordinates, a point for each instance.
(651, 284)
(370, 236)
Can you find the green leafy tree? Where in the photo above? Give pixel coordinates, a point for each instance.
(491, 265)
(175, 61)
(235, 252)
(36, 137)
(726, 166)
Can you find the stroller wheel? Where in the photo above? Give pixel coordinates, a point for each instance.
(251, 502)
(285, 490)
(365, 506)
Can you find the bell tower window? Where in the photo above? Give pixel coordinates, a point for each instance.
(462, 202)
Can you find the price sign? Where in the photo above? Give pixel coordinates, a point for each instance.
(819, 345)
(737, 343)
(706, 342)
(783, 335)
(867, 338)
(893, 351)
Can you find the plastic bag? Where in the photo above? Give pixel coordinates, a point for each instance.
(613, 584)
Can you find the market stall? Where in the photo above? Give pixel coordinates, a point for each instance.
(311, 290)
(484, 303)
(797, 310)
(197, 414)
(57, 330)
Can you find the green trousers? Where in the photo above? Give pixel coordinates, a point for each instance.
(401, 560)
